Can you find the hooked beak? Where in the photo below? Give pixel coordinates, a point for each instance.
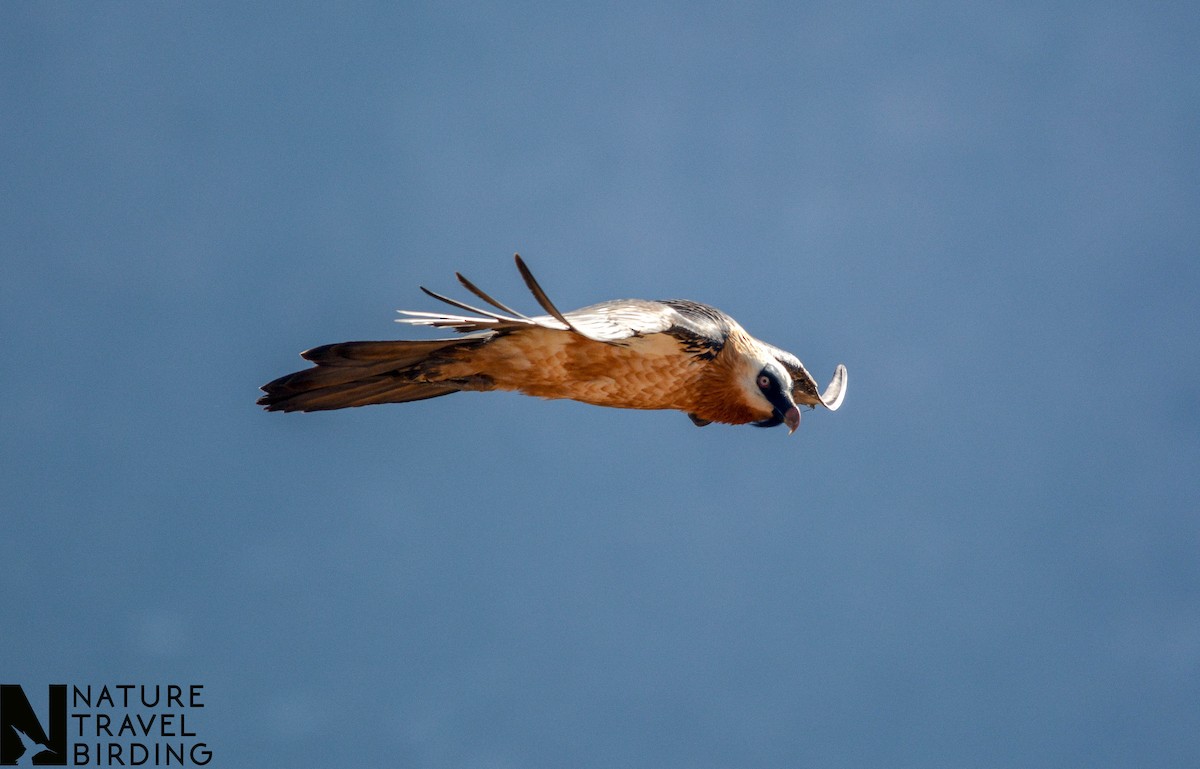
(785, 412)
(792, 419)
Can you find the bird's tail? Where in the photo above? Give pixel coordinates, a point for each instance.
(362, 373)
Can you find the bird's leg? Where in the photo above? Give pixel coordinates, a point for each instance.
(477, 383)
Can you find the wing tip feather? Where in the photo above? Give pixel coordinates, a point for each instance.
(835, 392)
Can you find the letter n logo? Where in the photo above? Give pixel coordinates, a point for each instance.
(23, 740)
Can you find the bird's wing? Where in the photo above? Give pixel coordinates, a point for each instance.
(700, 328)
(836, 391)
(804, 387)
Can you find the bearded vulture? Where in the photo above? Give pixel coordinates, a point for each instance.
(627, 353)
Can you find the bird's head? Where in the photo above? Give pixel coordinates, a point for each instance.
(768, 385)
(780, 382)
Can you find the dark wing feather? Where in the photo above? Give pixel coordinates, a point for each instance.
(702, 329)
(477, 291)
(538, 293)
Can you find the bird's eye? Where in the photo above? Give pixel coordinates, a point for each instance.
(764, 381)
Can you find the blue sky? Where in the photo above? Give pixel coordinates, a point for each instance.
(988, 557)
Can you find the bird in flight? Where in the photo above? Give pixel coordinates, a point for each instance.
(32, 748)
(626, 353)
